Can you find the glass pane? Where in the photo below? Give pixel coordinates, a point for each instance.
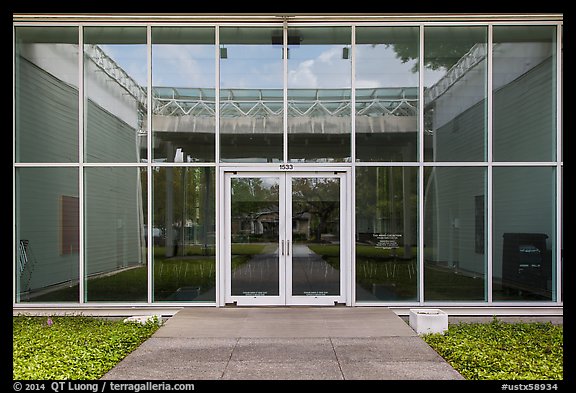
(254, 236)
(455, 86)
(387, 93)
(115, 80)
(183, 80)
(251, 94)
(524, 233)
(386, 233)
(184, 234)
(47, 235)
(524, 93)
(46, 94)
(315, 236)
(319, 94)
(455, 234)
(114, 222)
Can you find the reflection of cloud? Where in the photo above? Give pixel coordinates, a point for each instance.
(329, 55)
(367, 83)
(325, 69)
(254, 67)
(177, 65)
(303, 75)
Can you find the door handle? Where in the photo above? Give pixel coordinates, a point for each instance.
(282, 246)
(287, 247)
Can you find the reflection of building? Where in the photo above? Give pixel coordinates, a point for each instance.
(261, 223)
(450, 156)
(187, 116)
(456, 105)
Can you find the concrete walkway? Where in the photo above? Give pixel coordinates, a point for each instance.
(332, 343)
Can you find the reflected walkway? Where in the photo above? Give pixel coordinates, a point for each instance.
(311, 274)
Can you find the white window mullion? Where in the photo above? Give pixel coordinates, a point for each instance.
(559, 141)
(285, 89)
(489, 150)
(351, 185)
(219, 177)
(421, 168)
(149, 246)
(81, 200)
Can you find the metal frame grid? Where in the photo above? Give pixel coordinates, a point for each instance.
(488, 307)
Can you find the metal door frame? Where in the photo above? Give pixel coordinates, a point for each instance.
(286, 173)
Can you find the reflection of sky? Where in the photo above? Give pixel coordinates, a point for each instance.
(259, 67)
(131, 58)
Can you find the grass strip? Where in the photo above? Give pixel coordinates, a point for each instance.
(72, 347)
(500, 350)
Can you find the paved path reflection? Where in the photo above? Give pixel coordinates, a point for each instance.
(311, 274)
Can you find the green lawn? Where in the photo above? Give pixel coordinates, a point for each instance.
(72, 347)
(502, 351)
(192, 270)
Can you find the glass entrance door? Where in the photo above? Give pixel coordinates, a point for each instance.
(284, 238)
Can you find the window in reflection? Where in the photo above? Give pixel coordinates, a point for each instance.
(115, 234)
(524, 245)
(524, 91)
(183, 119)
(47, 235)
(251, 94)
(184, 234)
(386, 233)
(46, 94)
(387, 93)
(115, 76)
(454, 233)
(455, 80)
(319, 94)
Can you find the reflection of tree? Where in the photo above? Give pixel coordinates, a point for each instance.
(386, 200)
(251, 195)
(439, 51)
(319, 197)
(183, 198)
(255, 202)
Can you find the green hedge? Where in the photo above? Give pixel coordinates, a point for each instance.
(499, 350)
(75, 347)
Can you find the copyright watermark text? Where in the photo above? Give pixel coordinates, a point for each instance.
(530, 386)
(99, 386)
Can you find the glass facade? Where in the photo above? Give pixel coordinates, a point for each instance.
(319, 91)
(455, 254)
(387, 93)
(449, 136)
(524, 250)
(183, 240)
(47, 234)
(524, 56)
(251, 99)
(46, 78)
(183, 72)
(455, 91)
(387, 233)
(114, 234)
(115, 113)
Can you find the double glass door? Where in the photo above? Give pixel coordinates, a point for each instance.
(284, 238)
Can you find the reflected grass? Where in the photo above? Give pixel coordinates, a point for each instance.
(387, 275)
(193, 270)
